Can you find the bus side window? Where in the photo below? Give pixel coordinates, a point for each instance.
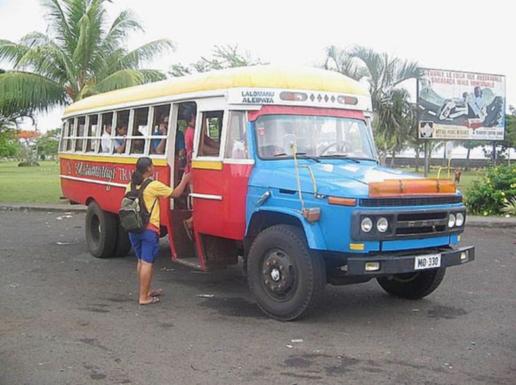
(93, 133)
(160, 127)
(119, 141)
(107, 131)
(236, 144)
(80, 134)
(139, 130)
(71, 133)
(64, 136)
(211, 133)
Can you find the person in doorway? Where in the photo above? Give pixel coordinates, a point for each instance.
(189, 142)
(146, 243)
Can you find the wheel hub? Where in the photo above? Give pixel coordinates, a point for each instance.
(278, 273)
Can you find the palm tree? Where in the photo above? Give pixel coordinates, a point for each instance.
(80, 55)
(394, 114)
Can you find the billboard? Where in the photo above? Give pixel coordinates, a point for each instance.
(456, 105)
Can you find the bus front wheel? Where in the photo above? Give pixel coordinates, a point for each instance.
(412, 285)
(286, 280)
(101, 231)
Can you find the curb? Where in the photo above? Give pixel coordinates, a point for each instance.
(42, 207)
(491, 222)
(471, 221)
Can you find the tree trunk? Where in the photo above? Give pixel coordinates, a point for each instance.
(417, 159)
(392, 157)
(467, 159)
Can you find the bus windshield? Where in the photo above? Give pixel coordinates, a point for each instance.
(313, 136)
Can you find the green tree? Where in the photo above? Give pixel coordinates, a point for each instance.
(470, 145)
(48, 144)
(80, 55)
(394, 116)
(222, 56)
(9, 144)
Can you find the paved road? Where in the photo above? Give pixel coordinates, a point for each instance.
(67, 318)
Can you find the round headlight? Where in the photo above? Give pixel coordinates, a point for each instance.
(459, 219)
(366, 225)
(451, 220)
(382, 224)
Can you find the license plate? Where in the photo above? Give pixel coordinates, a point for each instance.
(430, 261)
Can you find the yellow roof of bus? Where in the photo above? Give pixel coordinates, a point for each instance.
(263, 76)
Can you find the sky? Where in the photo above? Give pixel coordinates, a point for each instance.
(459, 34)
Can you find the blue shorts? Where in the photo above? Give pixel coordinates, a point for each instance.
(145, 245)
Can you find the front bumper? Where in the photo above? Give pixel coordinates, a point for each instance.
(404, 263)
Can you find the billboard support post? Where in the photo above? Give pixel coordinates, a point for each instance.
(427, 155)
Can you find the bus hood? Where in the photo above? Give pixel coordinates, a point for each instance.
(343, 178)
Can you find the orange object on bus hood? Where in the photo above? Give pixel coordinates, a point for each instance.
(398, 187)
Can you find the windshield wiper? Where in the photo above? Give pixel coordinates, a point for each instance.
(340, 156)
(302, 155)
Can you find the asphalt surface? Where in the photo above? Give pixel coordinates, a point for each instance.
(68, 318)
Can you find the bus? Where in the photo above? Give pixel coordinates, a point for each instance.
(285, 178)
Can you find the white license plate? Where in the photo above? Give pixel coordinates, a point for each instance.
(430, 261)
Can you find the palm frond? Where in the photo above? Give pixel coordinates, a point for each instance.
(12, 52)
(150, 75)
(146, 52)
(27, 91)
(124, 23)
(120, 79)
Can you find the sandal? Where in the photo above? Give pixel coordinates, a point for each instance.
(153, 301)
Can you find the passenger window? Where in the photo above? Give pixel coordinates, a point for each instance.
(211, 133)
(236, 144)
(139, 130)
(64, 137)
(107, 132)
(119, 141)
(80, 133)
(93, 133)
(70, 133)
(160, 127)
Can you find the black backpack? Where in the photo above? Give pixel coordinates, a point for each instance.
(134, 216)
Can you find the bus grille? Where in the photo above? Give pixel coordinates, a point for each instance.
(421, 223)
(412, 201)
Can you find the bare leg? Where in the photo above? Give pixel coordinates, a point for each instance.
(145, 276)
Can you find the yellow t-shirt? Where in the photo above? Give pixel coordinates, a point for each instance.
(153, 191)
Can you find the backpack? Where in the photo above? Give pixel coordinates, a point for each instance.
(134, 216)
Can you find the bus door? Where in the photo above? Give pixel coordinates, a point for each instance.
(181, 243)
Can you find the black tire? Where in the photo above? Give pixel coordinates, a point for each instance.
(101, 231)
(284, 277)
(412, 285)
(123, 245)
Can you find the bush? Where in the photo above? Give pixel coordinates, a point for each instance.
(489, 195)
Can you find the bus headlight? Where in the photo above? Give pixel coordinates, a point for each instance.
(451, 220)
(366, 225)
(459, 219)
(382, 224)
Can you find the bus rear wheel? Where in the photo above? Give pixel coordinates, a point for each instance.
(123, 245)
(284, 277)
(101, 231)
(412, 285)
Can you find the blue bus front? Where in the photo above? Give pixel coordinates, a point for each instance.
(314, 170)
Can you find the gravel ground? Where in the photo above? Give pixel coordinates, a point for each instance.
(68, 318)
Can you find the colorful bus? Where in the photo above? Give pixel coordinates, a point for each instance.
(285, 177)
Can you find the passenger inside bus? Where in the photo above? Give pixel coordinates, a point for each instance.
(121, 133)
(158, 145)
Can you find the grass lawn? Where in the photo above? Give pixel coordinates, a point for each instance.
(29, 184)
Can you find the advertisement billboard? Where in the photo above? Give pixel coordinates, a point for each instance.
(457, 105)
